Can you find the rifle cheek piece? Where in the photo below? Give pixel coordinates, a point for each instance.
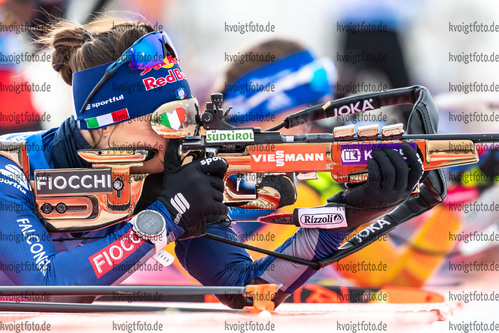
(90, 199)
(83, 199)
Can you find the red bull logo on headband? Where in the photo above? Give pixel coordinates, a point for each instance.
(174, 75)
(167, 63)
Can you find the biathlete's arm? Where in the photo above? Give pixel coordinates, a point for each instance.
(28, 253)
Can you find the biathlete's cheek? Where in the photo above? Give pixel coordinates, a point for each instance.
(155, 164)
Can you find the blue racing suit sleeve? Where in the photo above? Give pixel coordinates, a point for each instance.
(28, 255)
(219, 264)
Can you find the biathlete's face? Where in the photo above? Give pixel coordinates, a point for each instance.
(136, 133)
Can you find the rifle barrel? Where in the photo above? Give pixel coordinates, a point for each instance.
(475, 137)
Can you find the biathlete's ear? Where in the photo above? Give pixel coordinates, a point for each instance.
(98, 136)
(106, 131)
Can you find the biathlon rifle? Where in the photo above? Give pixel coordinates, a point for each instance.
(344, 153)
(269, 157)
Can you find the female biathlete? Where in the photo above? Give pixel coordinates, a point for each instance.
(95, 60)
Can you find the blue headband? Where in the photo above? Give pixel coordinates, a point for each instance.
(289, 82)
(127, 94)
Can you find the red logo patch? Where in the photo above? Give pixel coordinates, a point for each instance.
(303, 158)
(174, 75)
(113, 254)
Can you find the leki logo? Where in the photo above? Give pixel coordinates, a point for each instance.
(73, 181)
(289, 158)
(113, 254)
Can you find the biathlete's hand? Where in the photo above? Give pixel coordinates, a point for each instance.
(193, 191)
(391, 181)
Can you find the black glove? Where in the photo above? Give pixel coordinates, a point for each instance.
(390, 183)
(193, 191)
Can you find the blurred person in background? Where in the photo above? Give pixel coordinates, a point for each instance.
(478, 228)
(371, 55)
(21, 19)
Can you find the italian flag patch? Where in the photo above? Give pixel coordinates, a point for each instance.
(174, 119)
(107, 119)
